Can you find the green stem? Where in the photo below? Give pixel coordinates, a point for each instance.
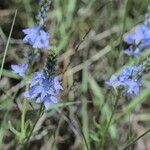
(127, 5)
(110, 119)
(29, 136)
(136, 139)
(85, 140)
(112, 114)
(23, 117)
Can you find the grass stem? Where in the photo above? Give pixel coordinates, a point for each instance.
(7, 45)
(136, 139)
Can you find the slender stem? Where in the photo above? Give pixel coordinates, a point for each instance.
(111, 117)
(84, 139)
(7, 45)
(23, 117)
(124, 22)
(112, 114)
(29, 136)
(24, 110)
(136, 139)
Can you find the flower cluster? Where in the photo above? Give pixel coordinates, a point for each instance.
(36, 36)
(42, 13)
(139, 39)
(43, 89)
(126, 79)
(130, 79)
(44, 86)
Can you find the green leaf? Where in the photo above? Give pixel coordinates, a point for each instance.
(99, 97)
(12, 129)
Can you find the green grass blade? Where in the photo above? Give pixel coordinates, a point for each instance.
(7, 45)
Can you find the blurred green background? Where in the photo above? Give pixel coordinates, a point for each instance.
(88, 35)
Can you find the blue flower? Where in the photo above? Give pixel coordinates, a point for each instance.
(143, 36)
(133, 52)
(43, 89)
(140, 39)
(130, 38)
(20, 69)
(128, 80)
(133, 88)
(36, 37)
(140, 36)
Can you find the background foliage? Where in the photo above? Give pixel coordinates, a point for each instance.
(88, 34)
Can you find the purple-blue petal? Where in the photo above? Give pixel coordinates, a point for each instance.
(36, 37)
(20, 69)
(44, 90)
